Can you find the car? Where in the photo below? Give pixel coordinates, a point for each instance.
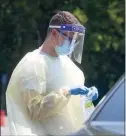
(5, 128)
(108, 116)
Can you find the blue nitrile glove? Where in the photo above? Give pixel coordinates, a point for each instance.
(91, 93)
(79, 91)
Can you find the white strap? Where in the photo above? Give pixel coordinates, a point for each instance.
(54, 26)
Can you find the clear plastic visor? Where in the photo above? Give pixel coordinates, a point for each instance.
(75, 38)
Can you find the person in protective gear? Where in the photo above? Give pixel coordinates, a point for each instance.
(37, 102)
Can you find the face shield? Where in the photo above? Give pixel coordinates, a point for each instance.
(73, 40)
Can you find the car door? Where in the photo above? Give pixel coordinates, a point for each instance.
(109, 116)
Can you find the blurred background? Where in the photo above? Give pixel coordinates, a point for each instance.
(23, 27)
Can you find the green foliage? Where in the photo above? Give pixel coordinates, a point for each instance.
(103, 56)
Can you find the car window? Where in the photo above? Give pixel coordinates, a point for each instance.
(113, 110)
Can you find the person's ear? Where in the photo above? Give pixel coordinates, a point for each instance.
(54, 31)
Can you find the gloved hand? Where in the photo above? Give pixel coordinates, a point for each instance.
(91, 93)
(79, 91)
